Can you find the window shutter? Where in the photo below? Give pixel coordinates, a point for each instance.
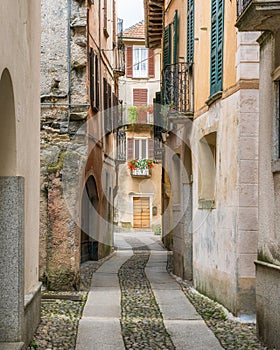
(96, 82)
(151, 148)
(151, 63)
(217, 19)
(175, 37)
(140, 97)
(92, 78)
(129, 61)
(190, 31)
(166, 46)
(129, 148)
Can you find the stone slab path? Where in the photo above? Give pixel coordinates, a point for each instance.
(135, 304)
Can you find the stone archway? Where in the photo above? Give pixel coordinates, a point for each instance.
(11, 221)
(90, 220)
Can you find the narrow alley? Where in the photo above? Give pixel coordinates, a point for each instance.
(155, 313)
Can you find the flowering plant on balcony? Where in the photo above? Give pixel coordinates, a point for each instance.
(140, 164)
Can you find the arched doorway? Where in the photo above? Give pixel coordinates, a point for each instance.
(89, 229)
(7, 126)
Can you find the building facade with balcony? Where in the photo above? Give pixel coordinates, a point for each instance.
(209, 92)
(79, 88)
(138, 202)
(264, 16)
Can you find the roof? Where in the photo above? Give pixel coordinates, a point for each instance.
(135, 31)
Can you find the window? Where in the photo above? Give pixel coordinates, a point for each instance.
(207, 171)
(175, 37)
(107, 102)
(140, 99)
(167, 46)
(217, 19)
(139, 62)
(93, 80)
(140, 148)
(190, 31)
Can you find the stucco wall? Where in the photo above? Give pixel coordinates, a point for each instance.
(20, 58)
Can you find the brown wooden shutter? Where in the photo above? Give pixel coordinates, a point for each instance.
(129, 61)
(151, 63)
(140, 97)
(129, 148)
(151, 148)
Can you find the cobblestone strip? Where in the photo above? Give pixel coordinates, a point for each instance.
(141, 320)
(59, 322)
(232, 335)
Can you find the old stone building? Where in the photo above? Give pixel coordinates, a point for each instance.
(79, 70)
(210, 87)
(264, 17)
(19, 172)
(138, 201)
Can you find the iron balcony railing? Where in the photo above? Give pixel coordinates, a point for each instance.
(177, 87)
(242, 5)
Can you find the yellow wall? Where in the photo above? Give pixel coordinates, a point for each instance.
(202, 35)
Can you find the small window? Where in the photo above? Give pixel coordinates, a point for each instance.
(207, 171)
(140, 62)
(140, 148)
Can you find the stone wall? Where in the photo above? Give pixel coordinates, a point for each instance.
(64, 110)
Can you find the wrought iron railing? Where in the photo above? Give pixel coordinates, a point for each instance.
(242, 5)
(177, 87)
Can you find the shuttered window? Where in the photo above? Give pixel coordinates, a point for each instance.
(93, 80)
(190, 31)
(107, 101)
(217, 24)
(140, 97)
(151, 63)
(175, 37)
(140, 148)
(129, 61)
(167, 46)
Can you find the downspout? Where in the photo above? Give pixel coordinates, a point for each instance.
(100, 70)
(69, 60)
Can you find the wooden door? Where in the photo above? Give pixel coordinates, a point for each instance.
(141, 212)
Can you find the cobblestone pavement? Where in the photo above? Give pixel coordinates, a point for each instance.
(141, 321)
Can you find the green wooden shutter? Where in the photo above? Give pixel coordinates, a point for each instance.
(175, 37)
(166, 46)
(217, 29)
(190, 31)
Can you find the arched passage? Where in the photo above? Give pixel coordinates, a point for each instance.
(89, 241)
(7, 126)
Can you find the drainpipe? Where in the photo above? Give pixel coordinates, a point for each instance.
(100, 70)
(69, 60)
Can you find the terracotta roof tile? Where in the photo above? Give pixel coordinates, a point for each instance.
(135, 31)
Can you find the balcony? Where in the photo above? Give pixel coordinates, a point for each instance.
(258, 15)
(177, 91)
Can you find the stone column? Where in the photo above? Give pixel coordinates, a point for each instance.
(11, 258)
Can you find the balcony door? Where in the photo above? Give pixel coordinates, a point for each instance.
(141, 212)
